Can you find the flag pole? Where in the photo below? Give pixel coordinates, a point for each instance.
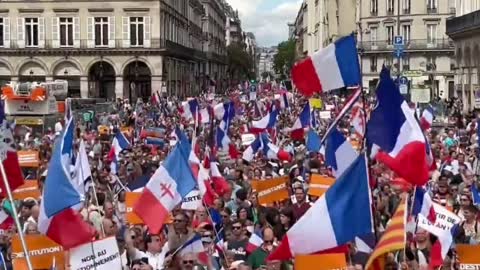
(15, 216)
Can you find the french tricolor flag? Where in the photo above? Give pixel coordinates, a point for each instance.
(170, 183)
(195, 246)
(190, 109)
(283, 99)
(119, 144)
(423, 204)
(303, 121)
(270, 150)
(394, 135)
(427, 118)
(333, 67)
(254, 242)
(267, 122)
(339, 152)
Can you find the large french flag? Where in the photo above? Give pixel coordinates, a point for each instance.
(423, 204)
(58, 218)
(333, 67)
(427, 117)
(270, 150)
(345, 203)
(190, 109)
(303, 121)
(170, 183)
(267, 122)
(339, 153)
(119, 144)
(441, 247)
(394, 135)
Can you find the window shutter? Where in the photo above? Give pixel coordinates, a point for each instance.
(55, 32)
(126, 32)
(41, 32)
(147, 32)
(90, 33)
(6, 32)
(76, 32)
(111, 32)
(21, 32)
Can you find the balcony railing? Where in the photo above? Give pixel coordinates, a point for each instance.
(467, 22)
(432, 10)
(413, 44)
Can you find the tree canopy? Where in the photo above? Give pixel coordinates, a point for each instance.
(285, 58)
(240, 63)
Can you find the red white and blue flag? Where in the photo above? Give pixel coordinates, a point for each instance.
(9, 157)
(423, 204)
(170, 183)
(119, 144)
(59, 218)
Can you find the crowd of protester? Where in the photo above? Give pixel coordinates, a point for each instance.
(454, 145)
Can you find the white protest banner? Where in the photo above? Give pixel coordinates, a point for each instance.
(248, 139)
(192, 201)
(443, 224)
(99, 255)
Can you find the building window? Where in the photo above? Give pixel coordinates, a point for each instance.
(431, 6)
(406, 33)
(31, 32)
(137, 25)
(390, 34)
(388, 61)
(373, 35)
(406, 62)
(374, 7)
(66, 32)
(431, 63)
(431, 34)
(406, 6)
(101, 31)
(373, 63)
(390, 7)
(2, 33)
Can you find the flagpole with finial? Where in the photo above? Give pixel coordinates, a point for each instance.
(15, 216)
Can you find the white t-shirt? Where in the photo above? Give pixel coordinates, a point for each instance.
(154, 260)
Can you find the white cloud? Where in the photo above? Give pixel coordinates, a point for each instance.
(268, 25)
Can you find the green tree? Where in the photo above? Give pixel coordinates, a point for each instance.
(285, 58)
(239, 62)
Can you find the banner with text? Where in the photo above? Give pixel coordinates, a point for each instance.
(28, 190)
(42, 250)
(443, 224)
(130, 199)
(319, 184)
(192, 201)
(272, 190)
(468, 256)
(334, 261)
(100, 255)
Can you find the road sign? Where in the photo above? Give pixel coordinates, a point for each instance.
(398, 52)
(398, 41)
(403, 80)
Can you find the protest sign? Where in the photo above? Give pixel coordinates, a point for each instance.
(248, 139)
(192, 201)
(28, 159)
(100, 255)
(333, 261)
(28, 190)
(468, 256)
(270, 191)
(130, 199)
(444, 222)
(316, 103)
(319, 184)
(42, 250)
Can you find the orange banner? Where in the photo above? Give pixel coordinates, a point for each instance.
(468, 256)
(28, 159)
(334, 261)
(28, 190)
(130, 200)
(43, 253)
(319, 184)
(270, 191)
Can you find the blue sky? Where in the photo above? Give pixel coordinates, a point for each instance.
(267, 19)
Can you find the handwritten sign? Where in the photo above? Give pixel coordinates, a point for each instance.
(270, 191)
(468, 256)
(319, 184)
(333, 261)
(42, 250)
(192, 201)
(28, 190)
(28, 159)
(443, 224)
(101, 255)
